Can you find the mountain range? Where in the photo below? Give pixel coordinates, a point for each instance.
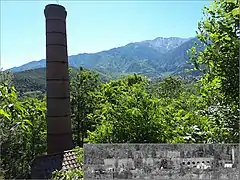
(150, 57)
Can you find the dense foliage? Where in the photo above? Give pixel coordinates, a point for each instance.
(83, 85)
(220, 57)
(23, 132)
(133, 108)
(175, 112)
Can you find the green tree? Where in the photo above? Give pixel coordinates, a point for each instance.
(220, 61)
(169, 87)
(126, 113)
(217, 32)
(83, 85)
(6, 77)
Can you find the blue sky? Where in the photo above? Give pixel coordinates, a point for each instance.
(93, 26)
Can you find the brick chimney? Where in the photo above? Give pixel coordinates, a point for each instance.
(59, 131)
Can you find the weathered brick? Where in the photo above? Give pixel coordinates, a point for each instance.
(56, 53)
(57, 71)
(58, 89)
(59, 143)
(58, 107)
(56, 38)
(55, 25)
(59, 125)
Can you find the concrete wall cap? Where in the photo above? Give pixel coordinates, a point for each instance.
(55, 10)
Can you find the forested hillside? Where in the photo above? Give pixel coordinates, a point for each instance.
(35, 79)
(152, 58)
(134, 109)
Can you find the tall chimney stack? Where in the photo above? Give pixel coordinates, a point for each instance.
(59, 131)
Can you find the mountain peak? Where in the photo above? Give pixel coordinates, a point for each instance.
(164, 44)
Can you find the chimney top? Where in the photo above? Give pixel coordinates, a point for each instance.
(55, 11)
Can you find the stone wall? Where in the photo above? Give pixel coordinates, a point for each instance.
(161, 161)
